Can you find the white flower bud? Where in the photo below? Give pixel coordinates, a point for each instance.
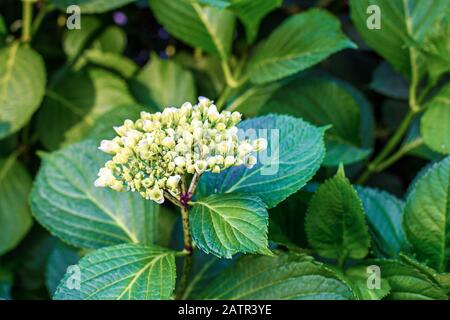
(200, 166)
(173, 181)
(109, 146)
(229, 161)
(260, 144)
(168, 142)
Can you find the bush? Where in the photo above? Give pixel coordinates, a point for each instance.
(248, 149)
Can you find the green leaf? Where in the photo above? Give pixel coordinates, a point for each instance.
(389, 83)
(403, 23)
(162, 84)
(358, 277)
(335, 222)
(384, 213)
(61, 257)
(286, 276)
(294, 154)
(251, 13)
(91, 6)
(123, 272)
(435, 123)
(121, 65)
(228, 224)
(6, 282)
(324, 100)
(427, 216)
(299, 43)
(15, 218)
(103, 129)
(408, 282)
(207, 72)
(67, 114)
(92, 35)
(209, 28)
(286, 224)
(437, 48)
(22, 86)
(65, 201)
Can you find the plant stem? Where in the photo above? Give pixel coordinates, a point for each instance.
(392, 143)
(27, 16)
(172, 199)
(400, 153)
(46, 8)
(188, 249)
(231, 83)
(194, 183)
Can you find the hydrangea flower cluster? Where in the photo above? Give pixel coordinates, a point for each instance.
(151, 155)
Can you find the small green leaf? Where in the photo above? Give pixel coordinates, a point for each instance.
(251, 14)
(228, 224)
(92, 35)
(390, 83)
(6, 283)
(384, 214)
(15, 218)
(435, 123)
(22, 86)
(284, 277)
(65, 201)
(335, 222)
(299, 43)
(294, 154)
(123, 272)
(427, 216)
(67, 114)
(122, 65)
(358, 276)
(209, 28)
(61, 257)
(91, 6)
(162, 84)
(408, 282)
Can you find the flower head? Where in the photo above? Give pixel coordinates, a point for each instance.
(151, 154)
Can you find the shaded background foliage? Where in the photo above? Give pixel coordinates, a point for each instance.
(124, 60)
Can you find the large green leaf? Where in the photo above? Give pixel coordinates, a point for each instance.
(294, 154)
(299, 43)
(228, 224)
(251, 13)
(15, 218)
(209, 28)
(335, 221)
(403, 22)
(22, 86)
(435, 123)
(384, 213)
(65, 201)
(427, 216)
(61, 257)
(161, 84)
(67, 114)
(91, 6)
(123, 272)
(409, 283)
(286, 276)
(324, 100)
